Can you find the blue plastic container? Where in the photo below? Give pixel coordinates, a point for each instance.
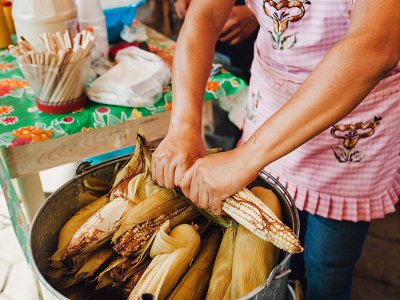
(117, 17)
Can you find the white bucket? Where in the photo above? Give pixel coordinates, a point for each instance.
(33, 17)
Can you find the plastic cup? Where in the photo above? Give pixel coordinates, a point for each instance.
(58, 89)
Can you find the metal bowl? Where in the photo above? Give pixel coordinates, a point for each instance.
(65, 202)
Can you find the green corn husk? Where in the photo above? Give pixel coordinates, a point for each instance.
(72, 226)
(90, 267)
(222, 271)
(194, 285)
(217, 220)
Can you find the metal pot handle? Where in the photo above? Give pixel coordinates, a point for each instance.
(274, 275)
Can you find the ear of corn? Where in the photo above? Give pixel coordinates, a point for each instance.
(194, 284)
(134, 239)
(133, 182)
(254, 215)
(122, 268)
(161, 202)
(222, 271)
(72, 226)
(248, 274)
(98, 229)
(92, 264)
(172, 254)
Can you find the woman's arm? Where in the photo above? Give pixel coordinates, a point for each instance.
(339, 83)
(191, 69)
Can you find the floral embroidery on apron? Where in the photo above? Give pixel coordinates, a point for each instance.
(351, 134)
(281, 13)
(251, 109)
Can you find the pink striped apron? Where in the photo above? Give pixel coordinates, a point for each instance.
(352, 170)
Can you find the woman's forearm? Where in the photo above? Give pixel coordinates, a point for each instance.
(339, 83)
(193, 59)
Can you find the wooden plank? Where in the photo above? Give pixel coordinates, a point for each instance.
(32, 158)
(29, 190)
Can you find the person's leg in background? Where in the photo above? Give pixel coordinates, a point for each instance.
(331, 251)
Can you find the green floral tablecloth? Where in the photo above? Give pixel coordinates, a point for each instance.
(22, 123)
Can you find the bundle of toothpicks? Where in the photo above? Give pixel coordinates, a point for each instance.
(57, 66)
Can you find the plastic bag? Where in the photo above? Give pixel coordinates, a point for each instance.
(135, 81)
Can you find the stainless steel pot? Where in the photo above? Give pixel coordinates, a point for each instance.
(63, 203)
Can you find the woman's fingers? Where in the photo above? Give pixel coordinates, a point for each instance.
(169, 175)
(160, 174)
(186, 182)
(203, 197)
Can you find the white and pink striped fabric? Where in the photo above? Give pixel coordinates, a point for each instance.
(352, 170)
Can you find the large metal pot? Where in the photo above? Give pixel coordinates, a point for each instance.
(63, 203)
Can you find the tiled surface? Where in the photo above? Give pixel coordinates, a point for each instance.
(16, 279)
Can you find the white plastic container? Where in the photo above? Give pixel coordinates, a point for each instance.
(90, 15)
(33, 17)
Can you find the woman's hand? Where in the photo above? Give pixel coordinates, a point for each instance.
(214, 178)
(174, 156)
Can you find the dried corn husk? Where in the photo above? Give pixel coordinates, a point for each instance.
(58, 276)
(222, 271)
(172, 254)
(72, 226)
(134, 182)
(132, 241)
(194, 285)
(161, 202)
(122, 268)
(92, 264)
(96, 184)
(132, 282)
(98, 229)
(248, 274)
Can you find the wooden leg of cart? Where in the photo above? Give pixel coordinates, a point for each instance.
(29, 190)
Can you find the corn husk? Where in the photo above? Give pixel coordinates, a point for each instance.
(90, 267)
(58, 276)
(162, 201)
(172, 254)
(98, 229)
(248, 274)
(134, 182)
(194, 284)
(122, 268)
(132, 282)
(217, 220)
(97, 185)
(72, 226)
(222, 271)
